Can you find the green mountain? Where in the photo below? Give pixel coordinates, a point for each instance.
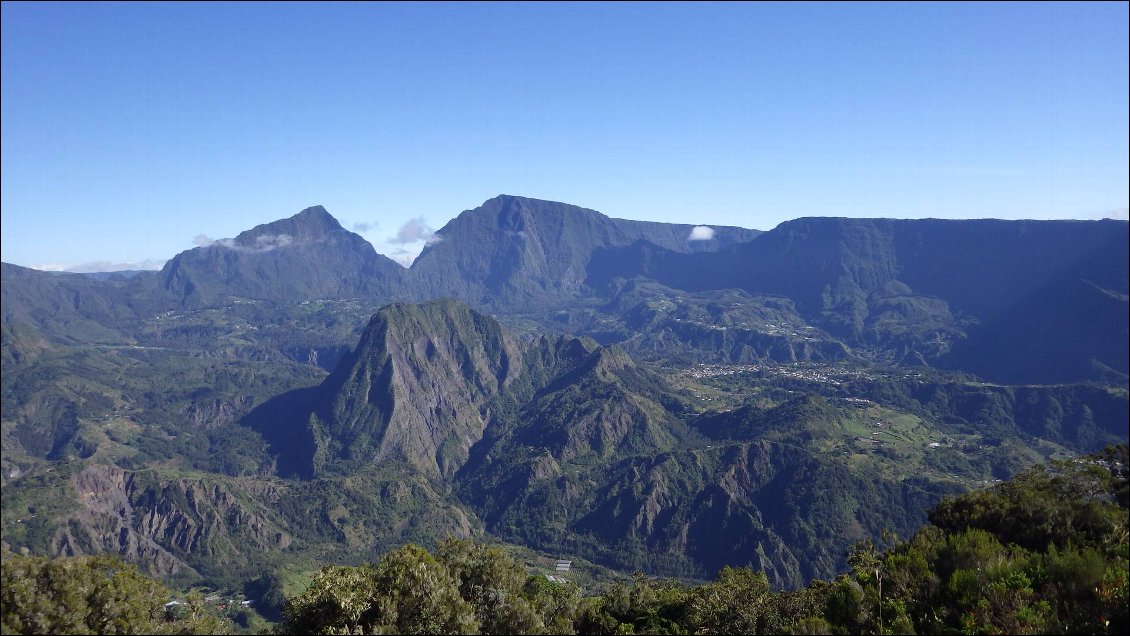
(74, 308)
(1044, 552)
(305, 257)
(634, 398)
(418, 389)
(1012, 301)
(1016, 301)
(654, 322)
(516, 252)
(567, 447)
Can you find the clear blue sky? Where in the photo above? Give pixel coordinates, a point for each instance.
(130, 129)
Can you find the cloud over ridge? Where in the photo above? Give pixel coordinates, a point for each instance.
(413, 231)
(701, 233)
(263, 243)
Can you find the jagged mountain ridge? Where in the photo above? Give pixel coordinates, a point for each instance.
(580, 450)
(428, 382)
(416, 389)
(445, 392)
(509, 250)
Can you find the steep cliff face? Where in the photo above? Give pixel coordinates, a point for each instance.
(105, 523)
(774, 507)
(606, 407)
(217, 413)
(441, 392)
(517, 253)
(703, 509)
(546, 461)
(441, 422)
(1011, 300)
(415, 390)
(425, 384)
(170, 525)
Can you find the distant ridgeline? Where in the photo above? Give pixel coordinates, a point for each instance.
(644, 396)
(1010, 301)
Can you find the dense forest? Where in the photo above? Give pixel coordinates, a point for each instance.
(1044, 552)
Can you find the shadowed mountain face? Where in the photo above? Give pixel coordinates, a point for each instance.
(518, 252)
(427, 382)
(1013, 301)
(307, 256)
(415, 390)
(1019, 301)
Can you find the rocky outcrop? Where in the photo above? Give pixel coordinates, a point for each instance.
(415, 390)
(166, 525)
(217, 413)
(105, 523)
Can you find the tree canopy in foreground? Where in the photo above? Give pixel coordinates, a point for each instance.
(1045, 552)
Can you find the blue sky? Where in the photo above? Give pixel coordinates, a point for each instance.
(130, 130)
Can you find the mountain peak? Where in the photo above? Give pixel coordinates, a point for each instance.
(535, 252)
(312, 224)
(415, 389)
(514, 198)
(308, 255)
(317, 214)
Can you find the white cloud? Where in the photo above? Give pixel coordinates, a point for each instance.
(364, 227)
(411, 232)
(116, 266)
(701, 233)
(268, 242)
(263, 243)
(403, 256)
(94, 267)
(101, 266)
(1119, 214)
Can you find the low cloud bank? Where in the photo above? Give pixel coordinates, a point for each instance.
(264, 243)
(94, 267)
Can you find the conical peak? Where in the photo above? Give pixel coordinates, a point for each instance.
(311, 224)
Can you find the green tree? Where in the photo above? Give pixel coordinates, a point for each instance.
(737, 602)
(416, 595)
(557, 602)
(333, 603)
(493, 584)
(642, 607)
(407, 592)
(89, 595)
